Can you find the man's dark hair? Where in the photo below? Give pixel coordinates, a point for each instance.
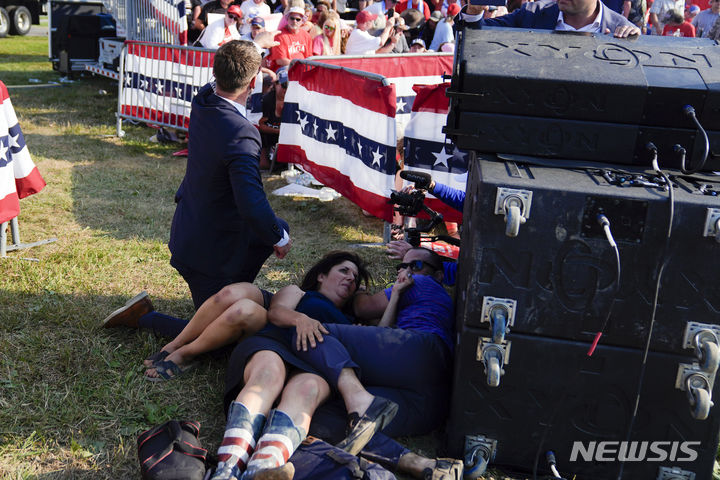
(431, 258)
(236, 64)
(328, 262)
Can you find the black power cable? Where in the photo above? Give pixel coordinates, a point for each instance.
(605, 224)
(690, 112)
(665, 258)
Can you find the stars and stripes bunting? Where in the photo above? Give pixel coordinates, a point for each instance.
(19, 177)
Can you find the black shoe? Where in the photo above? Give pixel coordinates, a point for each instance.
(378, 415)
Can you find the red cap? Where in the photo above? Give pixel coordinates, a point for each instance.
(453, 9)
(365, 16)
(235, 10)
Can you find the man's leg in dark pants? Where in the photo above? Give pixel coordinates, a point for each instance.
(201, 286)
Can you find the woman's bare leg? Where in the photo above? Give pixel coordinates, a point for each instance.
(264, 378)
(286, 427)
(239, 321)
(210, 310)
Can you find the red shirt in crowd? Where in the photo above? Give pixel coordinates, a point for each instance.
(685, 29)
(293, 45)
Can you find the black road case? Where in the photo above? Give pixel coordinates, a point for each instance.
(529, 308)
(590, 97)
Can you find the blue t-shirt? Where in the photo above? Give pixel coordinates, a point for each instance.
(426, 307)
(317, 306)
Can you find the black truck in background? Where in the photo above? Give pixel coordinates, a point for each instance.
(16, 16)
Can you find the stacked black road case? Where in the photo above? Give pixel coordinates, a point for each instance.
(552, 323)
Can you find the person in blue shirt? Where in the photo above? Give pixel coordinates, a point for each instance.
(405, 358)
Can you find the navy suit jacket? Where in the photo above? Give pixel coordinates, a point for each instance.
(543, 15)
(222, 216)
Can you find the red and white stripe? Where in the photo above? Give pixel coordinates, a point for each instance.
(156, 79)
(273, 450)
(357, 102)
(238, 442)
(19, 177)
(429, 116)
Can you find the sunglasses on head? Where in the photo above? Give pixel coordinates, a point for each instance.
(414, 265)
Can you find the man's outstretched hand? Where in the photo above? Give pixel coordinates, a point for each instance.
(266, 39)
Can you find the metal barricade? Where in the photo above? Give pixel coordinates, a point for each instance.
(159, 21)
(158, 83)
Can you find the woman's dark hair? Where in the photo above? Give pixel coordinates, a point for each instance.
(328, 262)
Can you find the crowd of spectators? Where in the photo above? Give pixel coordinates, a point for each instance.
(328, 27)
(362, 27)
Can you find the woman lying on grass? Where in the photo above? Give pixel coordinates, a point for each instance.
(260, 364)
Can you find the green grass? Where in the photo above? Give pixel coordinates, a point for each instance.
(72, 395)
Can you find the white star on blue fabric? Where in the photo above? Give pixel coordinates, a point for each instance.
(3, 151)
(441, 158)
(359, 148)
(459, 154)
(314, 127)
(128, 79)
(178, 91)
(400, 106)
(195, 90)
(377, 157)
(330, 132)
(143, 84)
(303, 122)
(159, 87)
(14, 140)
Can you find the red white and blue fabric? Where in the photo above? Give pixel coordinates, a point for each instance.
(254, 105)
(171, 19)
(340, 126)
(403, 71)
(159, 82)
(19, 177)
(358, 162)
(427, 149)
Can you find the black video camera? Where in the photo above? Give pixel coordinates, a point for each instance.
(408, 204)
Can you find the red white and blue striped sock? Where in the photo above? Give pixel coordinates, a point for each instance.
(239, 441)
(277, 443)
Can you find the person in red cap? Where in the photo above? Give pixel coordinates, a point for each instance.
(444, 30)
(219, 32)
(362, 43)
(294, 41)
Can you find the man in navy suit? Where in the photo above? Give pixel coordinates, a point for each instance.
(564, 15)
(224, 227)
